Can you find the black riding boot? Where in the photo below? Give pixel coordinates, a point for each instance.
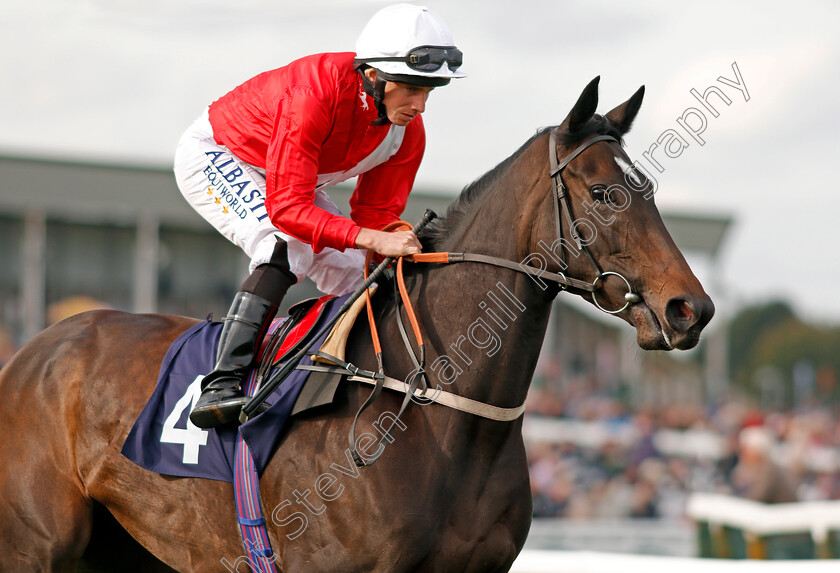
(221, 390)
(246, 323)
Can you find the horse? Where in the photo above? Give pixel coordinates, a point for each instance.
(451, 491)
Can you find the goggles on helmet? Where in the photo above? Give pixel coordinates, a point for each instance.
(425, 58)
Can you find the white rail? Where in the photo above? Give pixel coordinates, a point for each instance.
(537, 561)
(814, 517)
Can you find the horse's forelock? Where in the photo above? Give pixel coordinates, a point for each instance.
(597, 125)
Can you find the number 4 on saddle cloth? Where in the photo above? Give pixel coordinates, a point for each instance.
(163, 439)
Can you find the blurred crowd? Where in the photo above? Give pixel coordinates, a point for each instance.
(645, 462)
(604, 459)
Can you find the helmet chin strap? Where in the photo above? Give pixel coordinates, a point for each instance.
(377, 92)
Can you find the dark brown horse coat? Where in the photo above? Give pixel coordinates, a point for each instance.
(451, 493)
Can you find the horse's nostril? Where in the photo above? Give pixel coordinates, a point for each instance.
(685, 310)
(680, 314)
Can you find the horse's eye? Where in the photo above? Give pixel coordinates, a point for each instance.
(600, 194)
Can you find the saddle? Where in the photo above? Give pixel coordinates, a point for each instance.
(320, 387)
(162, 440)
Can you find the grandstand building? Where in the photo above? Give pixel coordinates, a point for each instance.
(79, 235)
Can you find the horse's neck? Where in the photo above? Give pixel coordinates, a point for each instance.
(490, 322)
(502, 220)
(489, 331)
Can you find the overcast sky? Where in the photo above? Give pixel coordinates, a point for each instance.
(113, 80)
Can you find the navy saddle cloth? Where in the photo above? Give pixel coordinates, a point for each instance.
(164, 441)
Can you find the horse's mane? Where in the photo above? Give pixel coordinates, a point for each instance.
(441, 227)
(463, 205)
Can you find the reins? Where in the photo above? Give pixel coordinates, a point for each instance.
(561, 279)
(417, 378)
(416, 384)
(562, 209)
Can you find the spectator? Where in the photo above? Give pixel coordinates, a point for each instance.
(758, 476)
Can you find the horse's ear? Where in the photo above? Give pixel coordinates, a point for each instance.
(585, 107)
(622, 116)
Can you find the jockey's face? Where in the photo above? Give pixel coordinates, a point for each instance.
(403, 102)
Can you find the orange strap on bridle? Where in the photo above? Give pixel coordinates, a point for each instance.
(412, 317)
(429, 258)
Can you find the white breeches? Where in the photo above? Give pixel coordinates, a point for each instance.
(230, 195)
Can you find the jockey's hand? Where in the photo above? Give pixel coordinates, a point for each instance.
(396, 244)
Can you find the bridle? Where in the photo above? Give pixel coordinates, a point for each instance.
(562, 207)
(416, 385)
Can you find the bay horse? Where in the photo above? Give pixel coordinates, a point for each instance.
(451, 492)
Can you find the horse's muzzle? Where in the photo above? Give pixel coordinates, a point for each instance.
(686, 317)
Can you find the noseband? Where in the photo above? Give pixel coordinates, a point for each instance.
(562, 206)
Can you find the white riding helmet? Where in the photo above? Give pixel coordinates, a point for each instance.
(409, 44)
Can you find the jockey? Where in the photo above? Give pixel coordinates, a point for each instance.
(256, 164)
